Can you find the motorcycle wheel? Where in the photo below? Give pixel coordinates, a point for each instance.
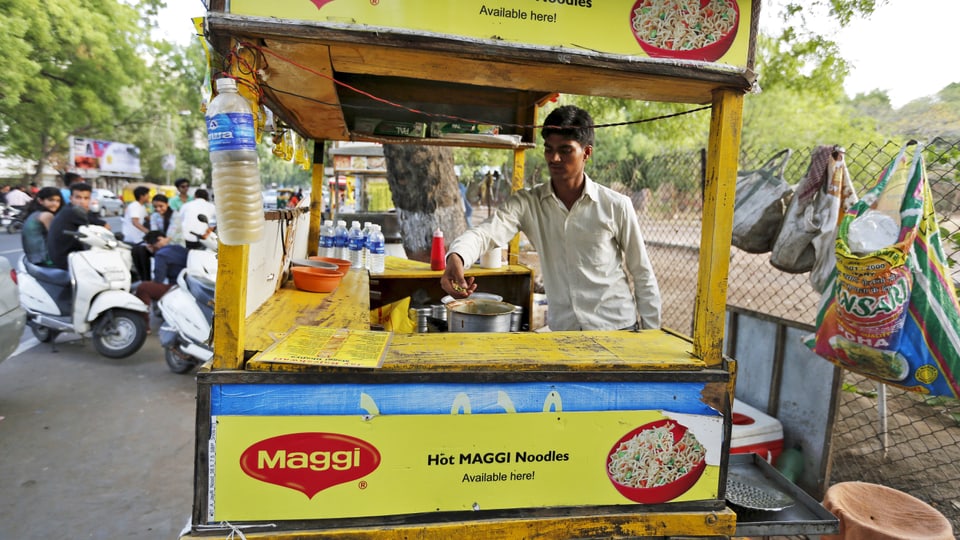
(177, 361)
(43, 334)
(15, 226)
(118, 333)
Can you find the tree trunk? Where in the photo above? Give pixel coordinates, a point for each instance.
(425, 193)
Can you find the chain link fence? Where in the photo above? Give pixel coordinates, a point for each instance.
(882, 434)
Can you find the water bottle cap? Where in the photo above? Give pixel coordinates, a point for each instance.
(328, 222)
(374, 227)
(226, 84)
(341, 223)
(355, 225)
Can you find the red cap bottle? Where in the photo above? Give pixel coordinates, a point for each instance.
(438, 253)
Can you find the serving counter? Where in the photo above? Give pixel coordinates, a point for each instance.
(507, 433)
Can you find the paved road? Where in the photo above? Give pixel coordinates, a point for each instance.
(92, 447)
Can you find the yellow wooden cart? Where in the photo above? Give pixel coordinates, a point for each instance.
(311, 425)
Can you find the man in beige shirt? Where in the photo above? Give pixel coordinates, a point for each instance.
(587, 236)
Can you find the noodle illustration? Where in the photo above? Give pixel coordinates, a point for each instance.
(652, 458)
(682, 25)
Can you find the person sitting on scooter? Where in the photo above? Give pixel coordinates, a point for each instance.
(40, 213)
(168, 261)
(59, 245)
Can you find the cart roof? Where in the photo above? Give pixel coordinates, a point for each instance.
(321, 71)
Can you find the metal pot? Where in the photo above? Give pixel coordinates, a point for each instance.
(479, 315)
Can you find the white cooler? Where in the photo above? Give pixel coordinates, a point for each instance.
(755, 432)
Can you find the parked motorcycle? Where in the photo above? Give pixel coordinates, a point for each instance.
(187, 310)
(92, 298)
(10, 218)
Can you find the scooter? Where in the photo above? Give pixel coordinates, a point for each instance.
(92, 298)
(11, 218)
(187, 311)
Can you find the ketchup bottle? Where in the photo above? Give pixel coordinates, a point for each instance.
(438, 253)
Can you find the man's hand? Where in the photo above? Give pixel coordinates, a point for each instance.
(453, 281)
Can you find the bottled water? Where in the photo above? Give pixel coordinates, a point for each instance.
(326, 239)
(340, 240)
(377, 249)
(234, 166)
(355, 245)
(365, 256)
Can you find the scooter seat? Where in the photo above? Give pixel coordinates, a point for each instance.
(47, 274)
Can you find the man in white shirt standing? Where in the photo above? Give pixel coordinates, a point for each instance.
(587, 236)
(135, 223)
(192, 229)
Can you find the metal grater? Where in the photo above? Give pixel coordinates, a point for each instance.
(752, 497)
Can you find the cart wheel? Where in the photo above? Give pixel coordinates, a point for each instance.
(43, 334)
(118, 333)
(15, 226)
(177, 361)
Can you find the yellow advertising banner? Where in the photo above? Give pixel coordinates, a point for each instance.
(317, 467)
(702, 30)
(336, 347)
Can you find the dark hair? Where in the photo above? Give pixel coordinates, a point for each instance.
(80, 186)
(71, 177)
(160, 197)
(570, 122)
(43, 194)
(140, 191)
(181, 181)
(168, 215)
(152, 237)
(201, 194)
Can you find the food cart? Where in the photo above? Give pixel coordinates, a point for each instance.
(312, 425)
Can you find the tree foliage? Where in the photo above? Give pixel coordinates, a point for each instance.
(69, 68)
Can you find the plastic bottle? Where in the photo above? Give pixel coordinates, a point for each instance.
(235, 171)
(377, 249)
(340, 240)
(438, 255)
(327, 239)
(365, 255)
(355, 246)
(790, 463)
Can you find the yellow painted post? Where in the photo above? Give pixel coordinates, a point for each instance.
(513, 251)
(718, 196)
(316, 199)
(230, 306)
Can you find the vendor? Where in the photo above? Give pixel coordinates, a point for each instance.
(587, 235)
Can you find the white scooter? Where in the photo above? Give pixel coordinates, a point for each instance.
(187, 310)
(91, 298)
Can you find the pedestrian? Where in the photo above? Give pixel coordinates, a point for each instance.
(168, 261)
(18, 197)
(183, 194)
(192, 228)
(587, 235)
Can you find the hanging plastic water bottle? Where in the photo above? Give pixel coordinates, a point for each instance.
(340, 240)
(377, 249)
(234, 167)
(364, 256)
(327, 239)
(355, 246)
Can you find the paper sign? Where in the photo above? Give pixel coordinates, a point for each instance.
(335, 347)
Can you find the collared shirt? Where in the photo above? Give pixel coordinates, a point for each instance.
(585, 255)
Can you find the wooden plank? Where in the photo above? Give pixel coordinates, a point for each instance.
(721, 523)
(718, 198)
(228, 320)
(346, 307)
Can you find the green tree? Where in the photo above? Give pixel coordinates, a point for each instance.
(69, 67)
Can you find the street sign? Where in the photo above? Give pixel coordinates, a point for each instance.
(169, 162)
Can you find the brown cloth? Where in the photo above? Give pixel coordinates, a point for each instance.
(875, 512)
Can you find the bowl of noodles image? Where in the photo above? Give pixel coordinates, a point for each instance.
(656, 462)
(685, 29)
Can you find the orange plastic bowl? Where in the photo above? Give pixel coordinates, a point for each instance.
(710, 53)
(668, 491)
(343, 265)
(321, 280)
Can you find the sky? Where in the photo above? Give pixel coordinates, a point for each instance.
(907, 47)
